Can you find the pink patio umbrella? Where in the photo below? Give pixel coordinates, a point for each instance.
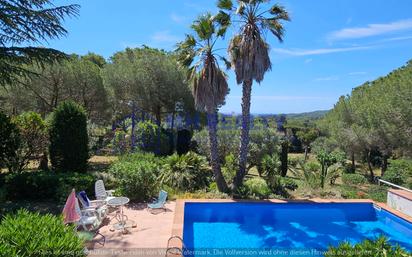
(69, 212)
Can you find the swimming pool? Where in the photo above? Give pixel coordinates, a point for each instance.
(289, 229)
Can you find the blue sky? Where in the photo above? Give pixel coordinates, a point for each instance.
(330, 47)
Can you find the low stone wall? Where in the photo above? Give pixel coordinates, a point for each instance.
(400, 200)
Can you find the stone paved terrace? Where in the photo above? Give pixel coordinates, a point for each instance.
(151, 233)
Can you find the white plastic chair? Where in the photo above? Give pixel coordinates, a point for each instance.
(101, 192)
(90, 221)
(98, 205)
(89, 218)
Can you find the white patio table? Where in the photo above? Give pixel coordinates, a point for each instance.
(123, 221)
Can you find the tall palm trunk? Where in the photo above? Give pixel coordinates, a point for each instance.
(214, 154)
(244, 134)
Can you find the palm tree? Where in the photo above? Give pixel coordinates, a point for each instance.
(249, 55)
(197, 52)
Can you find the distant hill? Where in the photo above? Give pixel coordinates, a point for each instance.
(304, 115)
(315, 115)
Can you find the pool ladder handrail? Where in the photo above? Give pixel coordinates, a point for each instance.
(180, 250)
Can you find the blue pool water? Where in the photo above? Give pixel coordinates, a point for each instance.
(286, 229)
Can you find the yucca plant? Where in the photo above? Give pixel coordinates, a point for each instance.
(188, 172)
(209, 83)
(249, 55)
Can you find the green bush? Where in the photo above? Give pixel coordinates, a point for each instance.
(353, 179)
(34, 138)
(45, 185)
(378, 193)
(188, 172)
(377, 248)
(295, 161)
(230, 167)
(136, 176)
(184, 137)
(10, 142)
(31, 235)
(69, 143)
(289, 183)
(398, 171)
(139, 156)
(312, 166)
(257, 188)
(270, 165)
(121, 142)
(228, 142)
(278, 185)
(263, 141)
(149, 140)
(311, 174)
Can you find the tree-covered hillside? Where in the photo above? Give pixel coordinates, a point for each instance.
(374, 122)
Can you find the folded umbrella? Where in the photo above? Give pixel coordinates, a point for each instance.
(70, 214)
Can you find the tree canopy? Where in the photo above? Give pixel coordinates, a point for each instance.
(26, 22)
(148, 79)
(377, 116)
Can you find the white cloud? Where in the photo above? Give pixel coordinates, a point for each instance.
(357, 73)
(165, 37)
(371, 30)
(331, 78)
(397, 39)
(308, 60)
(305, 52)
(177, 18)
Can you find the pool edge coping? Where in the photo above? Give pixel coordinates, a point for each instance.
(178, 219)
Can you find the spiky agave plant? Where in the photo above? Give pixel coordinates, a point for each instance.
(209, 83)
(249, 55)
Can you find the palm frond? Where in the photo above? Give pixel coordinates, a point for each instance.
(204, 26)
(223, 19)
(225, 4)
(249, 52)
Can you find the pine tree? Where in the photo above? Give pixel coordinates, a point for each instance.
(24, 23)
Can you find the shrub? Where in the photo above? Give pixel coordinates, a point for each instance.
(10, 143)
(121, 142)
(270, 165)
(69, 150)
(289, 183)
(31, 234)
(228, 142)
(312, 166)
(230, 167)
(183, 141)
(136, 176)
(353, 179)
(187, 172)
(327, 159)
(148, 138)
(378, 248)
(378, 193)
(139, 156)
(33, 138)
(46, 185)
(263, 141)
(278, 185)
(398, 171)
(257, 188)
(311, 174)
